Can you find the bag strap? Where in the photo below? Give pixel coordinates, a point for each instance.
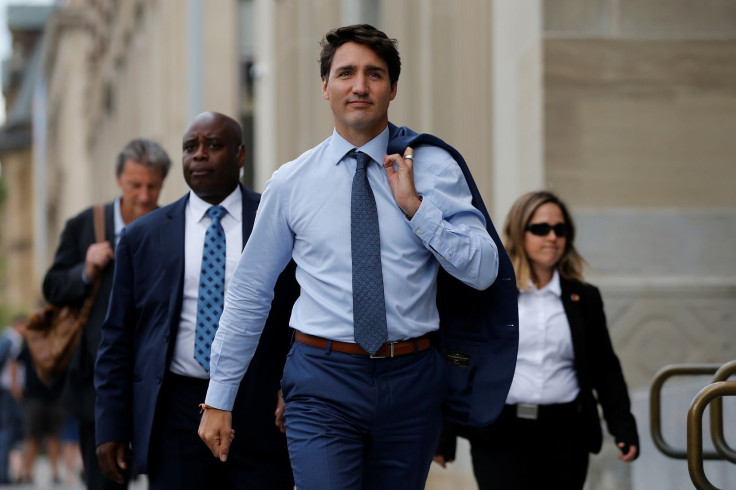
(99, 222)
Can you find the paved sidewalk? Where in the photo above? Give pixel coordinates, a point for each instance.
(43, 480)
(458, 476)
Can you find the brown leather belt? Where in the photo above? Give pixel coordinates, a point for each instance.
(389, 349)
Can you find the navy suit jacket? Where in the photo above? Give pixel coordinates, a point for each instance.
(141, 326)
(479, 330)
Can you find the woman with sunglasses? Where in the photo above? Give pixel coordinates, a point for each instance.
(565, 367)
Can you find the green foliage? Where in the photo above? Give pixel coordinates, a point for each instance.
(3, 191)
(5, 316)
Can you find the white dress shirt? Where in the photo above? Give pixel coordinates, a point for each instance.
(545, 372)
(195, 225)
(305, 214)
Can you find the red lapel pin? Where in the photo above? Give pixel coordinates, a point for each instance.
(574, 297)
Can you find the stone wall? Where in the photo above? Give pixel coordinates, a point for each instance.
(16, 234)
(639, 118)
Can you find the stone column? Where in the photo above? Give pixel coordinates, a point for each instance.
(518, 146)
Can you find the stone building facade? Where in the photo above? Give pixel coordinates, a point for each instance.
(17, 265)
(625, 108)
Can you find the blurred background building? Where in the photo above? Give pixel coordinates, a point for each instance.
(625, 108)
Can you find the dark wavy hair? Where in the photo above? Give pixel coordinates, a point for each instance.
(366, 35)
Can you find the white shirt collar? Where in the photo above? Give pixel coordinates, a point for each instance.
(553, 286)
(232, 203)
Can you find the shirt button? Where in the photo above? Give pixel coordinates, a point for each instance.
(419, 231)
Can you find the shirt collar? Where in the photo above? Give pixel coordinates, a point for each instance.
(339, 147)
(553, 286)
(232, 203)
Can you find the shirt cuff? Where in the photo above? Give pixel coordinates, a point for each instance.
(426, 220)
(85, 279)
(221, 396)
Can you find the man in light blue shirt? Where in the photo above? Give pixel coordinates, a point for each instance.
(353, 420)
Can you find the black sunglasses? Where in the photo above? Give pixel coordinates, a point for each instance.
(543, 229)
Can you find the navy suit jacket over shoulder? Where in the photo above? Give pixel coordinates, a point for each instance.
(479, 330)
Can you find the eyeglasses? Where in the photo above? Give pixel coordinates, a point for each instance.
(543, 229)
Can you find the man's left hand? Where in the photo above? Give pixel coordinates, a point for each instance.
(400, 173)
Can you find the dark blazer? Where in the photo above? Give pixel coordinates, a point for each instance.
(63, 285)
(141, 326)
(598, 370)
(479, 330)
(597, 366)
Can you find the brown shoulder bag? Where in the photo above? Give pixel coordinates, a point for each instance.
(54, 332)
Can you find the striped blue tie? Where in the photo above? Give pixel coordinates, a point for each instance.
(369, 307)
(211, 287)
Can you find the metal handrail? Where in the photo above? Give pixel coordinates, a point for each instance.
(695, 430)
(716, 415)
(655, 405)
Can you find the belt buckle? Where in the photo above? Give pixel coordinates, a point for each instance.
(527, 411)
(383, 357)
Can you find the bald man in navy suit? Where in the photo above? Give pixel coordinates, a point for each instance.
(148, 379)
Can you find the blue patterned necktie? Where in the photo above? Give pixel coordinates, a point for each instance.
(211, 287)
(369, 306)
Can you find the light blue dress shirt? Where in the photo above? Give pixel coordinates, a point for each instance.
(305, 214)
